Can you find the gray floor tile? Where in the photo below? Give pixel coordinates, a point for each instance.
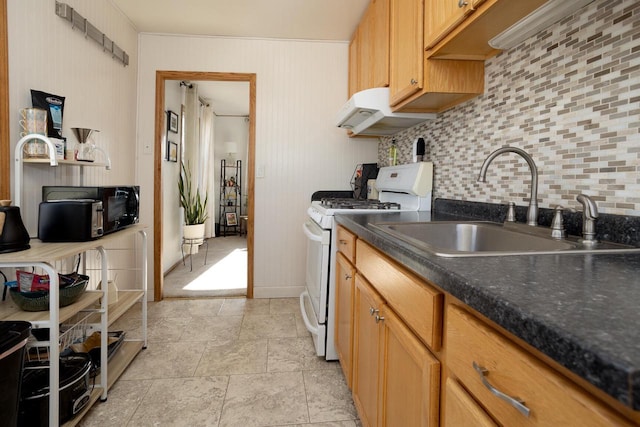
(216, 328)
(284, 305)
(165, 360)
(235, 357)
(265, 400)
(295, 354)
(269, 326)
(244, 307)
(335, 405)
(124, 398)
(225, 362)
(182, 402)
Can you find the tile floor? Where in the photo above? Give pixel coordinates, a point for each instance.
(224, 273)
(226, 362)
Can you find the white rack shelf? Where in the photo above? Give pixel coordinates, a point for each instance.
(41, 255)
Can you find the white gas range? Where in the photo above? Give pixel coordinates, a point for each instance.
(401, 188)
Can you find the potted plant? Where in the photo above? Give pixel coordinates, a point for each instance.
(195, 209)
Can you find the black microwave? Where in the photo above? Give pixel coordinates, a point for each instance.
(120, 204)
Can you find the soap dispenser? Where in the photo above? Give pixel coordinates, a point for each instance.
(393, 154)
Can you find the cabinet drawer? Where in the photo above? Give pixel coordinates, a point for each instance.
(551, 398)
(417, 303)
(346, 241)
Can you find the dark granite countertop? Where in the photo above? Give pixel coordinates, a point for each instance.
(583, 311)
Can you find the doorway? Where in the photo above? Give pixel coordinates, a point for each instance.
(160, 126)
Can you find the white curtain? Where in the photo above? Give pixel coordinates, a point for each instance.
(207, 165)
(191, 132)
(198, 150)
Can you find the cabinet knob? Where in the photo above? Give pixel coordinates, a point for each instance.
(513, 401)
(343, 242)
(379, 318)
(347, 277)
(462, 3)
(414, 82)
(373, 311)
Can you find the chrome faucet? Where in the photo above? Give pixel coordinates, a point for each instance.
(589, 215)
(532, 212)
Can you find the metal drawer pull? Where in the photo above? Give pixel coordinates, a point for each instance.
(514, 401)
(347, 277)
(379, 318)
(343, 242)
(373, 311)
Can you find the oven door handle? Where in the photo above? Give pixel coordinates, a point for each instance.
(310, 234)
(305, 319)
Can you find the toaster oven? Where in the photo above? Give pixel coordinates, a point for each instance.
(70, 220)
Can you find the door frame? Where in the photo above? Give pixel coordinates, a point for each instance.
(5, 145)
(160, 126)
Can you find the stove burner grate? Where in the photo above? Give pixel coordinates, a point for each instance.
(342, 203)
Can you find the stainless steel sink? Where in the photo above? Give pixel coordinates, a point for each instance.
(475, 239)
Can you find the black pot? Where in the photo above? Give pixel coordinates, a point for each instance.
(75, 390)
(13, 234)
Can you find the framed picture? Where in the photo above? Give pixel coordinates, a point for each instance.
(231, 219)
(172, 151)
(172, 121)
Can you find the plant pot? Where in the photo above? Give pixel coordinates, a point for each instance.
(193, 236)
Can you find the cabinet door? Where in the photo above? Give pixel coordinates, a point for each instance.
(379, 16)
(345, 282)
(461, 410)
(366, 349)
(354, 64)
(441, 17)
(409, 377)
(406, 49)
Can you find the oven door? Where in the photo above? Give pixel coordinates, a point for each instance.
(313, 301)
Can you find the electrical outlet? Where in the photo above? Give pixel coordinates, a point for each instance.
(147, 148)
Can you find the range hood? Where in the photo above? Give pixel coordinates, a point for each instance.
(368, 113)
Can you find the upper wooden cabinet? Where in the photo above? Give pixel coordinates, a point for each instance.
(354, 63)
(419, 84)
(369, 49)
(379, 50)
(441, 16)
(406, 76)
(467, 34)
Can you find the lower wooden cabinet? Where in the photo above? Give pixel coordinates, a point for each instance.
(366, 352)
(461, 410)
(409, 377)
(345, 284)
(514, 386)
(396, 379)
(397, 334)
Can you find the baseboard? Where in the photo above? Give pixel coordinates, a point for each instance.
(277, 292)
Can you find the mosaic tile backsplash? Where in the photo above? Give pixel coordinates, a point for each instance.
(570, 97)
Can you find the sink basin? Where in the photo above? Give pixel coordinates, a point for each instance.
(473, 239)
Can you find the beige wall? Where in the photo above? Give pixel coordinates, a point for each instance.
(300, 87)
(46, 54)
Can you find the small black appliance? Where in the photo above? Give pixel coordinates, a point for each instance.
(75, 390)
(363, 174)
